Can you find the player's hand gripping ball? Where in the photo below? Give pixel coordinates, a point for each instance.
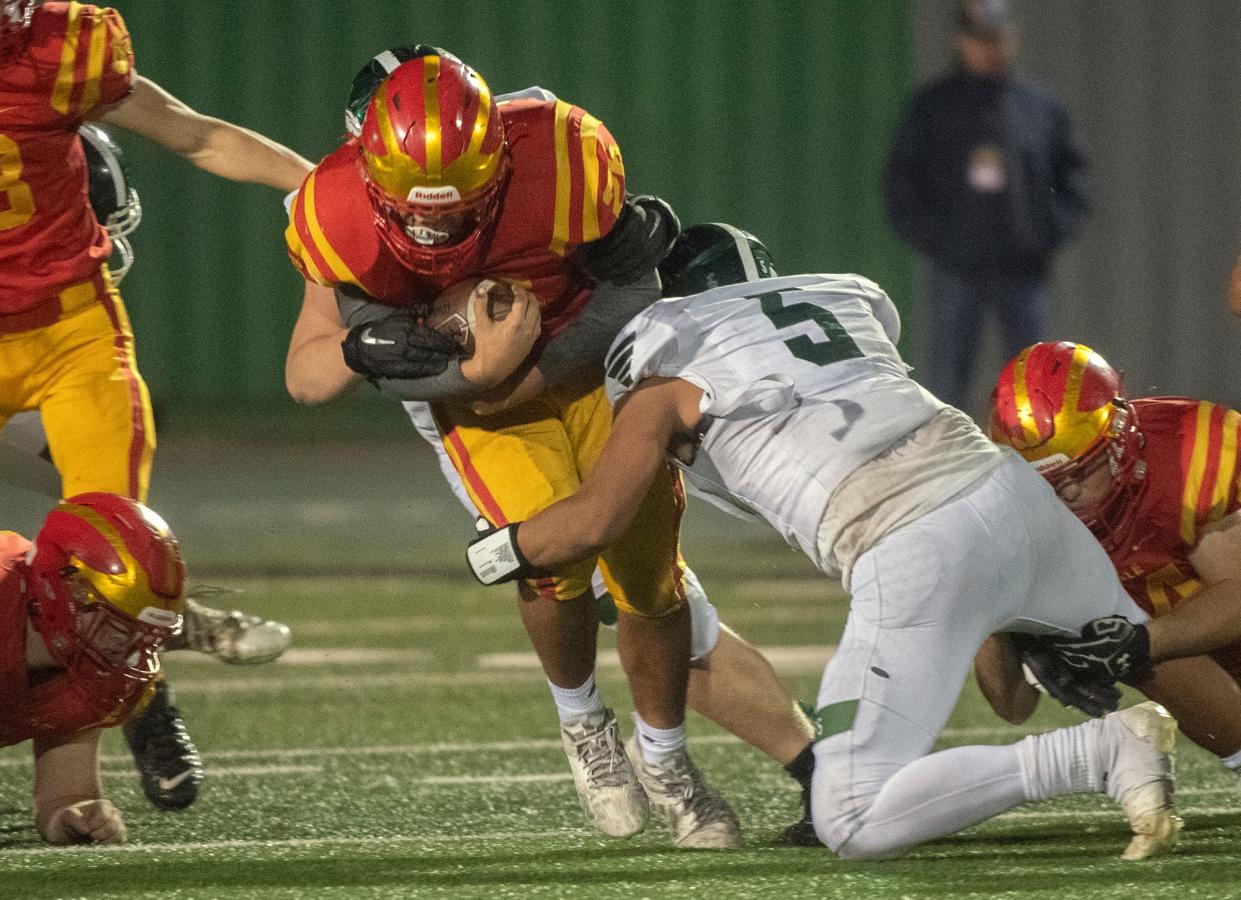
(454, 312)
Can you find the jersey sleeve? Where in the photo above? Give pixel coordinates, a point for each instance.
(96, 61)
(590, 179)
(310, 249)
(1211, 434)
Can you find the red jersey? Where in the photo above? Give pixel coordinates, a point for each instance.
(1192, 480)
(565, 188)
(78, 57)
(31, 706)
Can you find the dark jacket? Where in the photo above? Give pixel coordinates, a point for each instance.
(986, 175)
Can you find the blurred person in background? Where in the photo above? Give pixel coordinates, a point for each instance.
(66, 345)
(86, 607)
(986, 178)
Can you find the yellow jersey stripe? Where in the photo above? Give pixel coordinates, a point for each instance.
(1024, 410)
(340, 272)
(1197, 471)
(298, 249)
(564, 179)
(590, 174)
(1158, 592)
(1220, 494)
(94, 66)
(62, 91)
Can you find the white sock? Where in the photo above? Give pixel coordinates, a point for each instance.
(1233, 762)
(657, 744)
(578, 702)
(1065, 761)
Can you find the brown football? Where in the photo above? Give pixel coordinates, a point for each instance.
(452, 313)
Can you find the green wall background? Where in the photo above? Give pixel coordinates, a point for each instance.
(772, 115)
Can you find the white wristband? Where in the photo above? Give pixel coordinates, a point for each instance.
(495, 558)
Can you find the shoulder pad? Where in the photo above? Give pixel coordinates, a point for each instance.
(99, 68)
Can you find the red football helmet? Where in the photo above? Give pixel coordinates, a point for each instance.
(1060, 406)
(107, 586)
(433, 156)
(14, 26)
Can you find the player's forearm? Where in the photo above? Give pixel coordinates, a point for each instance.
(315, 370)
(240, 154)
(66, 772)
(997, 668)
(1206, 622)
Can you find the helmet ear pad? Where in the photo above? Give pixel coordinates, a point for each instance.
(713, 254)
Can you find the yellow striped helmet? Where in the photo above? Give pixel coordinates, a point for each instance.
(434, 159)
(1060, 405)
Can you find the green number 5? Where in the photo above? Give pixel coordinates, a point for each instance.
(838, 345)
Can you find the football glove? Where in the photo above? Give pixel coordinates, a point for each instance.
(1053, 675)
(1110, 649)
(399, 346)
(494, 556)
(640, 238)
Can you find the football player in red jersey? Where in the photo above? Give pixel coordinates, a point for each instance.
(66, 346)
(445, 183)
(1157, 482)
(85, 609)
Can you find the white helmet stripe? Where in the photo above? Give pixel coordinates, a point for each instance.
(744, 252)
(388, 60)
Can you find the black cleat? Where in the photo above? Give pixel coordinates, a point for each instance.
(800, 834)
(166, 757)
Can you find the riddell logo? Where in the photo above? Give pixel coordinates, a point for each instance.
(445, 194)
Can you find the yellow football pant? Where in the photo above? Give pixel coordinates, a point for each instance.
(514, 465)
(79, 371)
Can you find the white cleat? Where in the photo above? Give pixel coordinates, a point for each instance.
(1139, 744)
(698, 817)
(232, 637)
(611, 797)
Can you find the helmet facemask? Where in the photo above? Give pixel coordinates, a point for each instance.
(108, 655)
(1108, 518)
(434, 237)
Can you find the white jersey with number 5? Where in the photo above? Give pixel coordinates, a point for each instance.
(801, 380)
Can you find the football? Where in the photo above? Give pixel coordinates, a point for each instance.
(453, 314)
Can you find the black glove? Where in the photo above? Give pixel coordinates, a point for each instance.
(1067, 685)
(494, 556)
(640, 238)
(1109, 649)
(399, 346)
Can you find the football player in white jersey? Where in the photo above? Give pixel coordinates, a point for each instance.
(788, 398)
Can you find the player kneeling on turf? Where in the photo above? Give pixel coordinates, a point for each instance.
(85, 610)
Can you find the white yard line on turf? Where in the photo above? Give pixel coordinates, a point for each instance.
(808, 659)
(503, 837)
(499, 836)
(231, 771)
(321, 656)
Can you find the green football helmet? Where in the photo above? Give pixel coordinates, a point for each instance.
(707, 256)
(377, 68)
